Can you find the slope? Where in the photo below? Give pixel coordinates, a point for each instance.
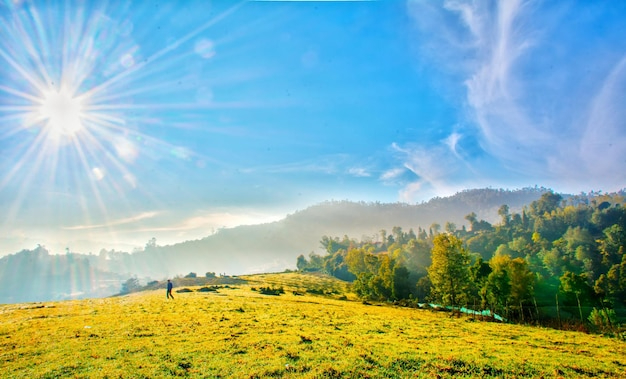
(238, 332)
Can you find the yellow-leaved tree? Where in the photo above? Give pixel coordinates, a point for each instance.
(449, 271)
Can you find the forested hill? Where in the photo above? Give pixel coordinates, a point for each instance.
(275, 246)
(557, 258)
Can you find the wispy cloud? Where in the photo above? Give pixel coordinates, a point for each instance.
(332, 164)
(603, 143)
(452, 142)
(209, 221)
(118, 222)
(168, 226)
(531, 88)
(434, 166)
(494, 90)
(392, 174)
(359, 172)
(328, 164)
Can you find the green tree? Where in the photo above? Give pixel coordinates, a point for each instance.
(450, 227)
(383, 282)
(331, 245)
(472, 218)
(398, 235)
(577, 285)
(362, 286)
(449, 271)
(612, 245)
(435, 228)
(416, 256)
(479, 272)
(504, 213)
(522, 283)
(510, 284)
(316, 262)
(422, 288)
(131, 285)
(336, 266)
(401, 283)
(151, 244)
(614, 284)
(497, 290)
(547, 203)
(301, 263)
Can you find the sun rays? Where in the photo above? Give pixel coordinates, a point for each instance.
(59, 141)
(78, 103)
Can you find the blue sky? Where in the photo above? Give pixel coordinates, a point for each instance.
(122, 121)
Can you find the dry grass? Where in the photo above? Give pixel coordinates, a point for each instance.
(240, 333)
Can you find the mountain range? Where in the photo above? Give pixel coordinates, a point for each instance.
(36, 275)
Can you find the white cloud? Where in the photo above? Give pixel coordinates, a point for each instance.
(117, 222)
(411, 192)
(437, 168)
(327, 164)
(359, 172)
(392, 174)
(452, 142)
(532, 89)
(603, 144)
(205, 48)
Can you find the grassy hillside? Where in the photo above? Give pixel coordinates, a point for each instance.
(240, 333)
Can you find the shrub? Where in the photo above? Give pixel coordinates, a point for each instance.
(271, 291)
(603, 319)
(208, 289)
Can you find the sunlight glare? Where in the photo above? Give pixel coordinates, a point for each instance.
(62, 111)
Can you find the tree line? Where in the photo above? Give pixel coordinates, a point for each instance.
(564, 256)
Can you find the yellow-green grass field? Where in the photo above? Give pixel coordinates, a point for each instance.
(237, 332)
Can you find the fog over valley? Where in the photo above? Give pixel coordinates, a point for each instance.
(38, 275)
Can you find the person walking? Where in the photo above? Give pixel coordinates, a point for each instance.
(169, 289)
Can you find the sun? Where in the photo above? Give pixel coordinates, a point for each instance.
(61, 112)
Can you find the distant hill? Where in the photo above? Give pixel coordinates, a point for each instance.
(248, 249)
(36, 275)
(275, 246)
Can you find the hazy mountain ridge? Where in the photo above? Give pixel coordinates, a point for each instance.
(36, 275)
(257, 248)
(275, 246)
